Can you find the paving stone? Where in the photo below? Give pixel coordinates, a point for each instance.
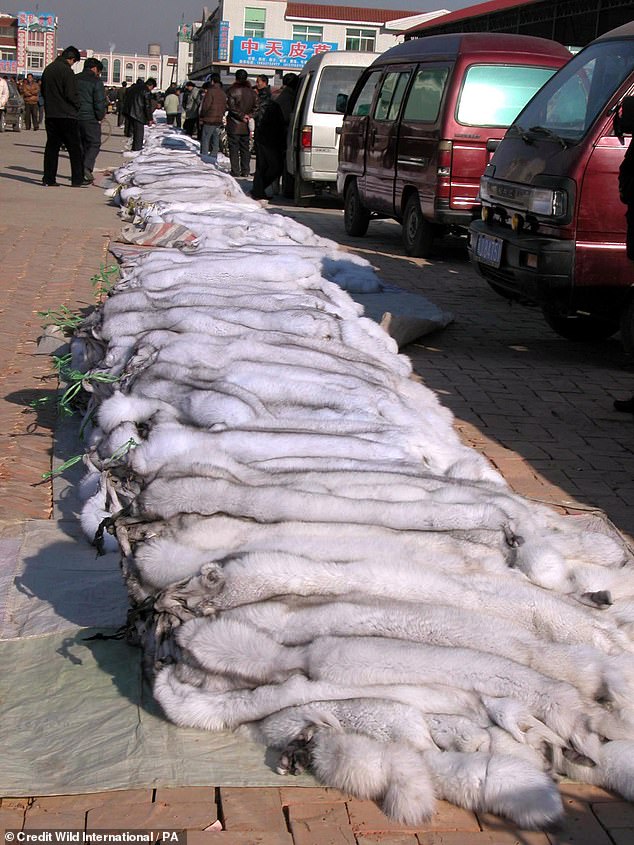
(11, 818)
(487, 837)
(194, 816)
(241, 837)
(91, 800)
(36, 819)
(251, 809)
(20, 803)
(367, 816)
(185, 794)
(623, 836)
(615, 814)
(310, 795)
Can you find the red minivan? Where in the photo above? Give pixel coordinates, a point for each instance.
(423, 121)
(552, 231)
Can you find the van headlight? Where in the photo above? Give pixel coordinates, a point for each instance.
(548, 203)
(484, 189)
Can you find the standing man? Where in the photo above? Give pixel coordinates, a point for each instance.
(61, 102)
(4, 98)
(141, 110)
(212, 110)
(241, 99)
(191, 104)
(93, 106)
(119, 98)
(30, 95)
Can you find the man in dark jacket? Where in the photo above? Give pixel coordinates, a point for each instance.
(93, 106)
(269, 140)
(120, 96)
(61, 102)
(241, 99)
(212, 110)
(140, 110)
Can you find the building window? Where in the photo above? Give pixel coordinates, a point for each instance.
(35, 61)
(308, 33)
(254, 21)
(142, 70)
(35, 38)
(153, 69)
(360, 39)
(7, 31)
(116, 71)
(7, 55)
(129, 75)
(104, 73)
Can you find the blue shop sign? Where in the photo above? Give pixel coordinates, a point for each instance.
(277, 52)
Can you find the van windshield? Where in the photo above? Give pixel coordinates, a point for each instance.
(568, 104)
(493, 95)
(334, 80)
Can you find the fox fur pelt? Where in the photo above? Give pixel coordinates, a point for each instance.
(312, 555)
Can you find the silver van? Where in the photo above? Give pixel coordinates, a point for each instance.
(313, 144)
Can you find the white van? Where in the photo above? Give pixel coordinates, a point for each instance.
(313, 144)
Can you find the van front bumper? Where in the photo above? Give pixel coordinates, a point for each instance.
(528, 267)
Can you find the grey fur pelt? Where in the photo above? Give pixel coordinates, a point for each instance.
(313, 556)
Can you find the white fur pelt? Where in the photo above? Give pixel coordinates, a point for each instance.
(312, 555)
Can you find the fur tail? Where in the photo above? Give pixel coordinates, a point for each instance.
(497, 783)
(390, 773)
(229, 646)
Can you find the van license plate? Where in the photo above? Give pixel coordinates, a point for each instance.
(489, 250)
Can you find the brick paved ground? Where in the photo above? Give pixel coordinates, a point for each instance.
(539, 407)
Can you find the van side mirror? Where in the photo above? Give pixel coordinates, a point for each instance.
(341, 103)
(624, 118)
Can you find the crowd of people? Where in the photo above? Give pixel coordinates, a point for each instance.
(255, 118)
(252, 118)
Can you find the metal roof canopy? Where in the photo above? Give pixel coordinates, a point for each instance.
(571, 22)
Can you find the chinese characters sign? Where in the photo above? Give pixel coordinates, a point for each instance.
(222, 51)
(277, 52)
(45, 20)
(8, 66)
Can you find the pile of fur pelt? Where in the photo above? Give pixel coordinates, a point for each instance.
(313, 556)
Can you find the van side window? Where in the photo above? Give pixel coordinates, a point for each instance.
(425, 95)
(391, 95)
(363, 103)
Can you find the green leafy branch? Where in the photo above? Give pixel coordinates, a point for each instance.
(63, 318)
(77, 380)
(116, 455)
(105, 280)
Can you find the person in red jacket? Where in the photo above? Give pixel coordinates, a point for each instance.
(212, 112)
(241, 100)
(31, 94)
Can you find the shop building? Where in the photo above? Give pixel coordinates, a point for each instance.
(28, 42)
(275, 36)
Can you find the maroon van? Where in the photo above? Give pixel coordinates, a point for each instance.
(553, 228)
(423, 121)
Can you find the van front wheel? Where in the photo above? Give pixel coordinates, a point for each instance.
(627, 327)
(582, 327)
(418, 234)
(356, 218)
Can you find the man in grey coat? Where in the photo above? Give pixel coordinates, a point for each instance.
(92, 110)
